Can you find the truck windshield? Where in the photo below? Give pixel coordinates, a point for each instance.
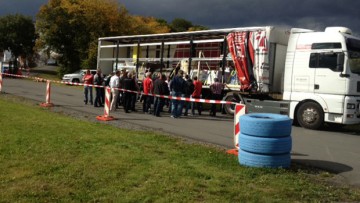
(354, 62)
(353, 46)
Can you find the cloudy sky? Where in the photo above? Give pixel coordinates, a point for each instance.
(312, 14)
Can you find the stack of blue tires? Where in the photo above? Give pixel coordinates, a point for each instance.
(265, 140)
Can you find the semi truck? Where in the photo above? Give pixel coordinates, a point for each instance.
(311, 76)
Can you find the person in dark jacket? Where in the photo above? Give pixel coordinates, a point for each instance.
(160, 88)
(98, 80)
(134, 96)
(128, 84)
(177, 90)
(122, 78)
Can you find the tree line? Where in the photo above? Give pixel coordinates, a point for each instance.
(71, 29)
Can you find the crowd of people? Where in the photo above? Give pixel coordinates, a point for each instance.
(181, 85)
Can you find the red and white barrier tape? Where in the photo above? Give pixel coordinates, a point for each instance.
(120, 89)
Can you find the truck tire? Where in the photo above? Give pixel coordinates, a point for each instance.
(265, 145)
(268, 161)
(310, 115)
(265, 125)
(229, 108)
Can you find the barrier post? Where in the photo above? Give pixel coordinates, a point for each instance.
(48, 93)
(1, 82)
(239, 111)
(106, 116)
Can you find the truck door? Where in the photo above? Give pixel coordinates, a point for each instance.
(303, 76)
(328, 78)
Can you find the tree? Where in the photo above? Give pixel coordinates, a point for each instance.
(162, 22)
(72, 28)
(147, 25)
(17, 34)
(180, 25)
(197, 28)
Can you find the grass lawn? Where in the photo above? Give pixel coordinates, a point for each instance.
(48, 157)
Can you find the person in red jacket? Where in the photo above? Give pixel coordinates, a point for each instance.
(88, 80)
(147, 89)
(197, 95)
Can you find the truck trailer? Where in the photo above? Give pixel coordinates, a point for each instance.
(311, 76)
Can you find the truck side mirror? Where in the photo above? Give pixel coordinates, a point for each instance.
(340, 62)
(340, 65)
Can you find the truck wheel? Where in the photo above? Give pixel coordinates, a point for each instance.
(76, 80)
(310, 115)
(229, 108)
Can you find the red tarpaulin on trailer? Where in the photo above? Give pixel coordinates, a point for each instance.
(248, 50)
(237, 44)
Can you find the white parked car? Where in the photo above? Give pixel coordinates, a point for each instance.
(77, 76)
(51, 62)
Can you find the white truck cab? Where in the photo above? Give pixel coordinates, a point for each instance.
(321, 77)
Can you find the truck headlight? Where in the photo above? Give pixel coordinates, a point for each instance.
(350, 106)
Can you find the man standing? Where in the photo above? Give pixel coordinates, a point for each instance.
(160, 88)
(122, 78)
(88, 80)
(189, 89)
(98, 80)
(128, 84)
(216, 94)
(177, 90)
(196, 95)
(134, 96)
(148, 89)
(114, 85)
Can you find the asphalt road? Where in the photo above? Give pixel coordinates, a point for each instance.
(333, 150)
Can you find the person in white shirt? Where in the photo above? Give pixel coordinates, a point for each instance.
(114, 85)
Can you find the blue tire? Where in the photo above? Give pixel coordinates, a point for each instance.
(265, 145)
(265, 125)
(264, 161)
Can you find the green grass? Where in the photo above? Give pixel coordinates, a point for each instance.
(48, 157)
